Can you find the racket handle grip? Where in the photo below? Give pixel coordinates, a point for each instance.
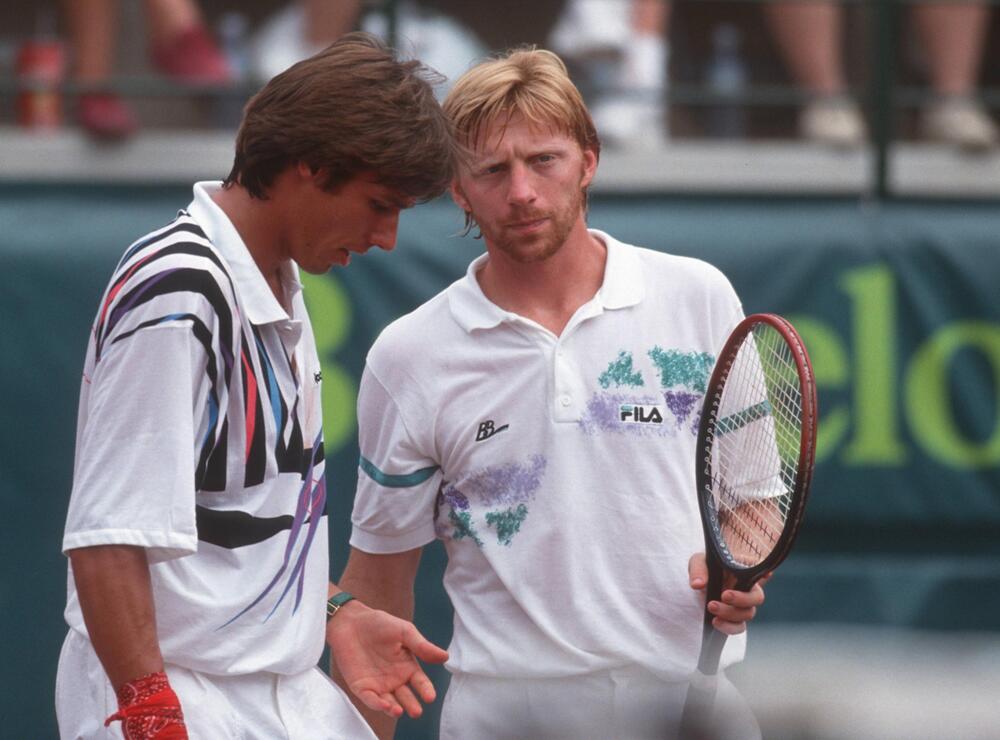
(711, 651)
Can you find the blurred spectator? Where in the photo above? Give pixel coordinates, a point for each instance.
(179, 46)
(622, 47)
(952, 34)
(436, 35)
(447, 35)
(304, 27)
(298, 31)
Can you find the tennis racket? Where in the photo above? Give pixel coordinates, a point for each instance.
(754, 462)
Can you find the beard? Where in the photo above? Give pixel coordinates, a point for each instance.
(541, 246)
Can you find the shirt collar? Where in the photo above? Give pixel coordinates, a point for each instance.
(470, 306)
(258, 300)
(623, 284)
(622, 287)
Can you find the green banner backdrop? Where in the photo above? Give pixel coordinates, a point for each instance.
(899, 306)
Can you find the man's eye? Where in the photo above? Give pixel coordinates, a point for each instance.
(380, 207)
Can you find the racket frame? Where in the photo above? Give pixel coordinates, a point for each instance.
(716, 550)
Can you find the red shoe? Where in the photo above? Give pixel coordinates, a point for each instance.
(105, 116)
(192, 56)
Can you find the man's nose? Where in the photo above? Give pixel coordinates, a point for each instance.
(521, 188)
(384, 235)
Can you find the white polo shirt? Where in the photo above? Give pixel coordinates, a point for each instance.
(559, 471)
(199, 438)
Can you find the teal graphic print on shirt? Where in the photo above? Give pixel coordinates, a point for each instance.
(496, 498)
(620, 372)
(688, 369)
(462, 526)
(507, 523)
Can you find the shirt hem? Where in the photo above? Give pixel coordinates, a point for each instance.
(380, 544)
(161, 545)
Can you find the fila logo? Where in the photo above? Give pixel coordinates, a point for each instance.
(487, 430)
(634, 414)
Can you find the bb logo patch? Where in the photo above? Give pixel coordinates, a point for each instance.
(629, 413)
(487, 429)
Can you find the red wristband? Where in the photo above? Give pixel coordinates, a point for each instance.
(148, 709)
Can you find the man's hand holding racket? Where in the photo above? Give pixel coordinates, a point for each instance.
(734, 608)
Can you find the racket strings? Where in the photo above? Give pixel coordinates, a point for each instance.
(750, 532)
(755, 445)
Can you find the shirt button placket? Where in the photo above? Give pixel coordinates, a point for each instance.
(563, 385)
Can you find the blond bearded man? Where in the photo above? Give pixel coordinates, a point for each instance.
(493, 418)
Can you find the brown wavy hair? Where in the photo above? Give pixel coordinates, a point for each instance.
(352, 108)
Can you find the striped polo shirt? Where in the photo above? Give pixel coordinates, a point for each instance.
(199, 438)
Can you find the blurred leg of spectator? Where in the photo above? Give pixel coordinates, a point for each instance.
(644, 71)
(953, 35)
(180, 46)
(621, 46)
(808, 35)
(93, 30)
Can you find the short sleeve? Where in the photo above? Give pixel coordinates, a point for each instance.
(724, 307)
(398, 479)
(134, 482)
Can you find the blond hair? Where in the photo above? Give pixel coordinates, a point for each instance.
(532, 82)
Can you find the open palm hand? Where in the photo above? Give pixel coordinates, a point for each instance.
(377, 654)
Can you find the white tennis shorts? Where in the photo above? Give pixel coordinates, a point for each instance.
(304, 706)
(621, 704)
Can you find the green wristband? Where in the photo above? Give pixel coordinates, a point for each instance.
(336, 601)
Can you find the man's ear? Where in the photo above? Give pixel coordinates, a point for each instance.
(306, 172)
(589, 167)
(458, 196)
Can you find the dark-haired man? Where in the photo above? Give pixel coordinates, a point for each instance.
(196, 530)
